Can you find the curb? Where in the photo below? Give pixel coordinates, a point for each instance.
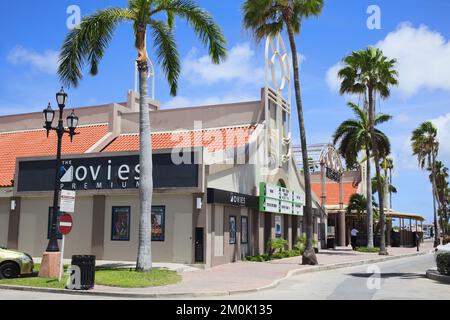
(433, 274)
(274, 284)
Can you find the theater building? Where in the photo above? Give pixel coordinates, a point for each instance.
(225, 179)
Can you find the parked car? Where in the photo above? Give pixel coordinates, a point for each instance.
(14, 263)
(442, 248)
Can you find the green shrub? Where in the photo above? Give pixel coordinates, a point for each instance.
(301, 243)
(276, 246)
(443, 263)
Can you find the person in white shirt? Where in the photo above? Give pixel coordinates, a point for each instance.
(354, 233)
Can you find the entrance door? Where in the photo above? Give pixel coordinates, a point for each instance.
(199, 247)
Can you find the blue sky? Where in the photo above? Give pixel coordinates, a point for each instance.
(416, 32)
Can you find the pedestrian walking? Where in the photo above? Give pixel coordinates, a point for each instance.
(354, 234)
(417, 241)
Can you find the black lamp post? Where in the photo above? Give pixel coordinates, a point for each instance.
(72, 122)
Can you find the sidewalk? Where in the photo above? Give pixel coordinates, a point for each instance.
(251, 276)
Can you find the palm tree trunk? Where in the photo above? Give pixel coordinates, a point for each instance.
(378, 173)
(369, 201)
(144, 259)
(435, 198)
(309, 257)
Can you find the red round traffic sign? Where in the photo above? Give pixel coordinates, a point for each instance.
(65, 224)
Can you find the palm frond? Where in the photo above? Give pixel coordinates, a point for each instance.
(167, 53)
(201, 21)
(87, 44)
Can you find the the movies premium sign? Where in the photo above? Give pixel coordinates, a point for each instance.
(232, 198)
(277, 199)
(104, 172)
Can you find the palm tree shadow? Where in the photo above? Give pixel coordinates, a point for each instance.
(401, 275)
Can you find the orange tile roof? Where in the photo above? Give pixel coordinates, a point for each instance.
(35, 143)
(332, 192)
(212, 139)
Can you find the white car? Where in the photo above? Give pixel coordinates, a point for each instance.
(442, 248)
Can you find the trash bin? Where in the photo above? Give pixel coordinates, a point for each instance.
(331, 243)
(87, 271)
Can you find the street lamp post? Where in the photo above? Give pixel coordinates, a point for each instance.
(72, 122)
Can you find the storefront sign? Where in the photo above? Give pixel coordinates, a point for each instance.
(277, 199)
(232, 198)
(286, 207)
(270, 205)
(104, 172)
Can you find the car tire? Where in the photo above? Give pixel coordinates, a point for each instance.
(9, 270)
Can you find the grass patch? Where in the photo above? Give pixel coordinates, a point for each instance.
(123, 278)
(367, 250)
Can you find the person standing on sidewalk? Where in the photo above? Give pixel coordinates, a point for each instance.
(354, 234)
(417, 240)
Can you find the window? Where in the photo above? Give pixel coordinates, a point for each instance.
(244, 230)
(158, 223)
(232, 230)
(120, 224)
(49, 224)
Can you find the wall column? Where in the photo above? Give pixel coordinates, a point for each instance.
(98, 226)
(13, 225)
(341, 228)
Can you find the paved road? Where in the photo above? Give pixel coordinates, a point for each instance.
(398, 279)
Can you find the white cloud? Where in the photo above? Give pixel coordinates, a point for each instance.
(332, 77)
(184, 102)
(46, 62)
(240, 66)
(442, 124)
(423, 59)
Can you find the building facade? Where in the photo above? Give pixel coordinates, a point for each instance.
(224, 181)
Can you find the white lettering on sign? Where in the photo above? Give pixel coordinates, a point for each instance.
(83, 174)
(123, 170)
(298, 209)
(285, 194)
(237, 199)
(272, 191)
(298, 198)
(271, 205)
(286, 207)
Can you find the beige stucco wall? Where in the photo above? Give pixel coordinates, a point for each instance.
(34, 220)
(4, 220)
(177, 246)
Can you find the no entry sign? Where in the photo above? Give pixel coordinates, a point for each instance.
(65, 224)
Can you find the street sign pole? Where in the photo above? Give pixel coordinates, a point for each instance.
(61, 265)
(65, 226)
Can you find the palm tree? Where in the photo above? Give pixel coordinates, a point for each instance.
(369, 73)
(426, 147)
(269, 18)
(355, 135)
(441, 193)
(87, 44)
(388, 166)
(385, 182)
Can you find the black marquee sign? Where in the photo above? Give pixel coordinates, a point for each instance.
(105, 172)
(232, 198)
